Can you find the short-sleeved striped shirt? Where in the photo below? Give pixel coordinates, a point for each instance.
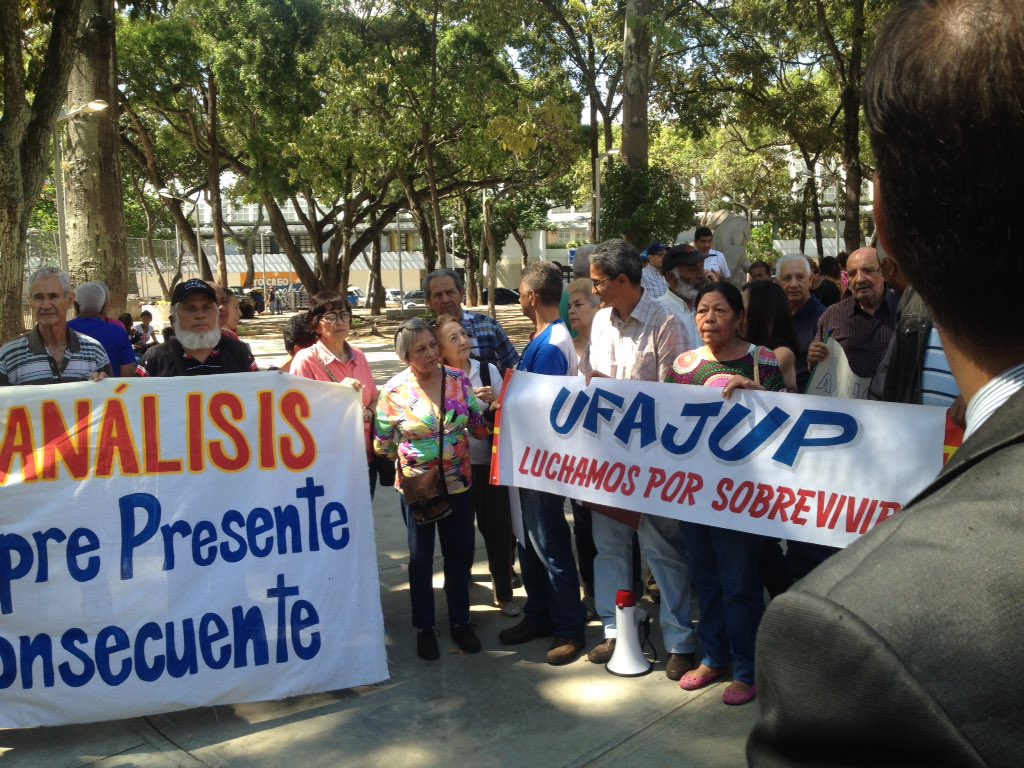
(24, 360)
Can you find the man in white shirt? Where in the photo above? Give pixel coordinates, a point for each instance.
(634, 337)
(714, 261)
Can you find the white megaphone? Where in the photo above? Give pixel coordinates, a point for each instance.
(628, 658)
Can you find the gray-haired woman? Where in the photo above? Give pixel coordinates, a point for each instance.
(414, 406)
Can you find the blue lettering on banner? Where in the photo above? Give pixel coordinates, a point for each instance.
(173, 649)
(639, 418)
(261, 532)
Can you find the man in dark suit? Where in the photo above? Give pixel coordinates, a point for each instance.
(906, 648)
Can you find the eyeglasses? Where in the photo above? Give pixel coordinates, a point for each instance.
(600, 284)
(335, 318)
(868, 272)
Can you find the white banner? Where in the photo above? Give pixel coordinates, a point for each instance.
(171, 543)
(797, 467)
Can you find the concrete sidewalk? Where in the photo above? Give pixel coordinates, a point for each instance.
(502, 707)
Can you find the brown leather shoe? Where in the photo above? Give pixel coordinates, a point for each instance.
(523, 632)
(602, 654)
(678, 664)
(564, 650)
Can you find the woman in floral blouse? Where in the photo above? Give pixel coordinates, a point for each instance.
(723, 562)
(407, 427)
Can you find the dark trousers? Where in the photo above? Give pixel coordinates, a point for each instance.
(494, 521)
(583, 532)
(457, 540)
(549, 568)
(724, 569)
(803, 558)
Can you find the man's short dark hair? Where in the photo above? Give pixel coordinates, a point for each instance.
(760, 265)
(703, 232)
(545, 280)
(830, 267)
(618, 257)
(442, 273)
(944, 99)
(297, 334)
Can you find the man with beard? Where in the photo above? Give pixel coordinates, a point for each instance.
(198, 347)
(683, 270)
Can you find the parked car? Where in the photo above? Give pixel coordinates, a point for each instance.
(501, 296)
(355, 297)
(393, 296)
(414, 300)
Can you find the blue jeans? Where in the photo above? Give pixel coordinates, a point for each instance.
(457, 543)
(724, 565)
(549, 568)
(662, 544)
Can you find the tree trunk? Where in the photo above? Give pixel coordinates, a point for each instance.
(594, 165)
(378, 298)
(492, 250)
(803, 215)
(25, 140)
(636, 53)
(279, 227)
(435, 201)
(472, 263)
(816, 211)
(518, 237)
(213, 181)
(420, 220)
(148, 243)
(94, 196)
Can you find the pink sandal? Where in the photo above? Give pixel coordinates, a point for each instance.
(700, 677)
(739, 693)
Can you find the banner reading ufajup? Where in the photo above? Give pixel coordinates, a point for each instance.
(815, 469)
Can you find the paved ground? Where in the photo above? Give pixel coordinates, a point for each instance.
(502, 707)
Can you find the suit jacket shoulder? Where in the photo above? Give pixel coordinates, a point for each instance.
(905, 648)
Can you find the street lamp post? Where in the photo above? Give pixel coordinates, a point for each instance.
(597, 191)
(263, 253)
(98, 105)
(401, 283)
(837, 214)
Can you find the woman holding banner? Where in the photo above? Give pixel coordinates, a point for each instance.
(332, 358)
(724, 563)
(420, 409)
(490, 502)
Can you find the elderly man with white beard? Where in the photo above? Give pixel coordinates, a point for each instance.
(198, 347)
(683, 270)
